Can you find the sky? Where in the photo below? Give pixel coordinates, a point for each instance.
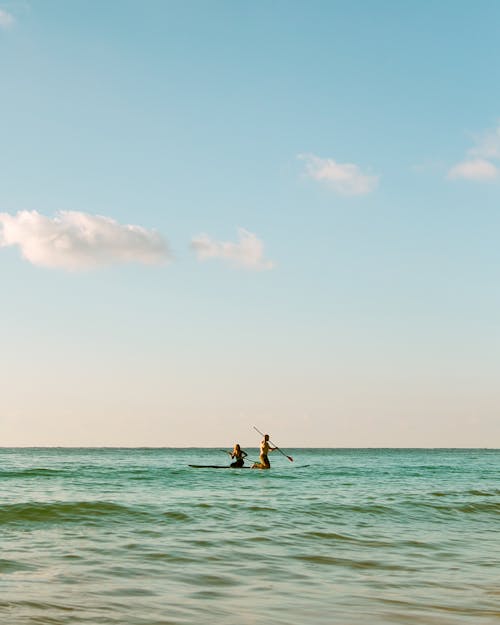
(215, 215)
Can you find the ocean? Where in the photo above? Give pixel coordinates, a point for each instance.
(339, 536)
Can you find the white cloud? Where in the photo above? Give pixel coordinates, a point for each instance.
(487, 145)
(344, 178)
(474, 169)
(479, 164)
(247, 252)
(6, 19)
(74, 240)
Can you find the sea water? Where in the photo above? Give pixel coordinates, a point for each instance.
(339, 536)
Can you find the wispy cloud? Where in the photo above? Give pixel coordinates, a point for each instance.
(248, 252)
(479, 164)
(344, 178)
(487, 144)
(474, 169)
(6, 19)
(75, 240)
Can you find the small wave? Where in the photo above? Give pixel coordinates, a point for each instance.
(481, 506)
(350, 563)
(454, 507)
(217, 580)
(261, 509)
(473, 491)
(371, 508)
(334, 536)
(483, 493)
(33, 472)
(11, 566)
(327, 509)
(328, 536)
(176, 516)
(42, 606)
(70, 511)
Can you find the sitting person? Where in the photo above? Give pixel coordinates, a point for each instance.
(239, 456)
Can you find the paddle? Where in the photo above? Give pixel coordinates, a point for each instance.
(275, 446)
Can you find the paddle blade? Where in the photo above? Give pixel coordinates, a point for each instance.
(290, 458)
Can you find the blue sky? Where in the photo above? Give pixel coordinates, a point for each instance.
(313, 191)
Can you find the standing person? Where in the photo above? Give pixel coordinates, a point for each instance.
(265, 448)
(239, 455)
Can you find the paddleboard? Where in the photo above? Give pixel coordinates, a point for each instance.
(214, 466)
(223, 466)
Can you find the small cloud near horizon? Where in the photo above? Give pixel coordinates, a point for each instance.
(77, 241)
(248, 252)
(479, 165)
(6, 19)
(344, 178)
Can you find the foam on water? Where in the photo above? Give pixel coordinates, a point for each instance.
(136, 537)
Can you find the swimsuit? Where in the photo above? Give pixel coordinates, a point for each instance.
(240, 460)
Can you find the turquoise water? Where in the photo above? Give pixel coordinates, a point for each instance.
(136, 537)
